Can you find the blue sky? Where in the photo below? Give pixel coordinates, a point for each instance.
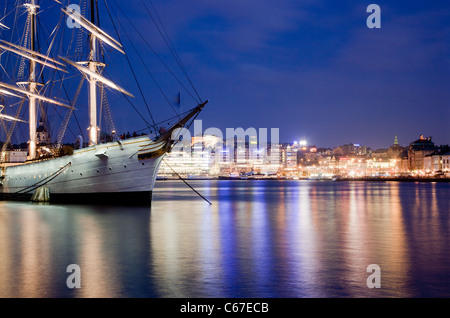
(315, 70)
(311, 68)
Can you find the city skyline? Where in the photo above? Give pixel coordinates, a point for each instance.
(209, 156)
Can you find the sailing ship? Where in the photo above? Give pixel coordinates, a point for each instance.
(113, 170)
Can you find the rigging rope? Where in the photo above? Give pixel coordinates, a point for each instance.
(158, 57)
(153, 78)
(132, 70)
(80, 34)
(25, 43)
(47, 180)
(169, 44)
(107, 110)
(65, 123)
(63, 87)
(176, 173)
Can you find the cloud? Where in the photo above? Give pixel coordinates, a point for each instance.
(314, 68)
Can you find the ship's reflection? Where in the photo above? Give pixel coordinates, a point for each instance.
(37, 243)
(257, 239)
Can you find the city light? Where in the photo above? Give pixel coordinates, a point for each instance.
(299, 161)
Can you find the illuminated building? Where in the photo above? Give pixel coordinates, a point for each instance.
(437, 163)
(350, 149)
(445, 164)
(195, 158)
(395, 150)
(417, 151)
(15, 156)
(42, 137)
(209, 156)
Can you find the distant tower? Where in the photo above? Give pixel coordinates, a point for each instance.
(42, 134)
(395, 150)
(396, 142)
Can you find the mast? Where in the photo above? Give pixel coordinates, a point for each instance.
(32, 82)
(92, 65)
(29, 88)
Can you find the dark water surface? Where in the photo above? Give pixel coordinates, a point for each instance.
(257, 239)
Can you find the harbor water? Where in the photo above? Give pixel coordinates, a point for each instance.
(263, 239)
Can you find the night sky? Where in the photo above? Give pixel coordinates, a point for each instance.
(315, 70)
(311, 68)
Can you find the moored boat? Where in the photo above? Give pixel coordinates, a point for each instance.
(117, 170)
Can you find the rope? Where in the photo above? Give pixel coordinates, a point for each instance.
(156, 55)
(186, 182)
(132, 69)
(47, 180)
(65, 122)
(107, 110)
(151, 75)
(169, 44)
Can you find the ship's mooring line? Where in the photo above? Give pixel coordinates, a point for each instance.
(187, 183)
(47, 180)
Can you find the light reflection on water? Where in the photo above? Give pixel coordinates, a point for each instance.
(257, 239)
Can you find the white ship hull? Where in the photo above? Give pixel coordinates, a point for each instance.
(114, 172)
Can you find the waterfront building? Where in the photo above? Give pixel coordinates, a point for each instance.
(192, 158)
(350, 149)
(437, 163)
(403, 163)
(16, 155)
(289, 155)
(417, 151)
(271, 164)
(445, 164)
(395, 150)
(210, 157)
(430, 164)
(42, 136)
(382, 167)
(379, 154)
